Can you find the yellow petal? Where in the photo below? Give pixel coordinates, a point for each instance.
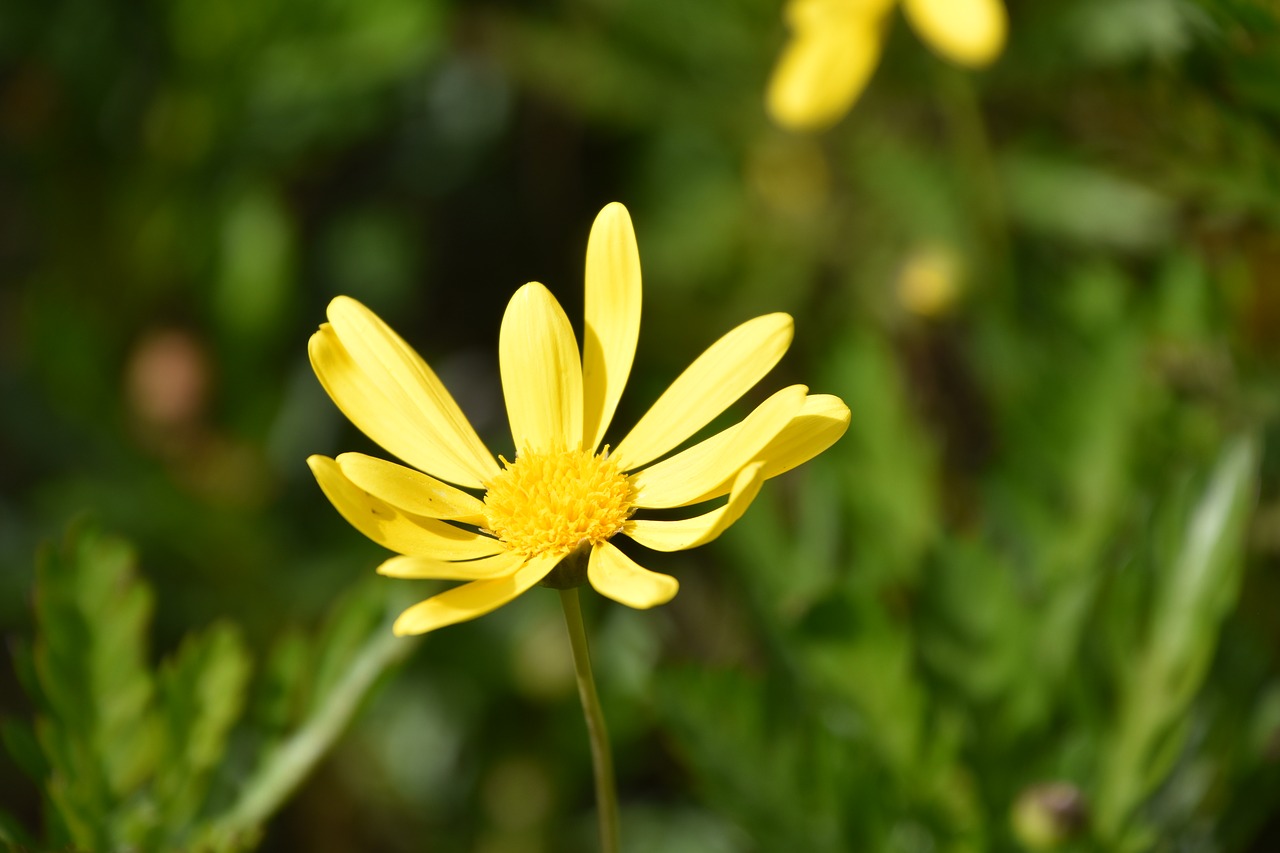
(612, 325)
(826, 64)
(617, 576)
(971, 32)
(471, 600)
(818, 425)
(541, 374)
(425, 568)
(822, 420)
(815, 14)
(410, 490)
(699, 530)
(392, 396)
(394, 529)
(392, 426)
(682, 479)
(714, 381)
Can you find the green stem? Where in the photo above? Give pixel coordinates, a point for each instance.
(289, 765)
(977, 158)
(601, 758)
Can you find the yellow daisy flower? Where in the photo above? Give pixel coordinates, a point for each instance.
(562, 496)
(836, 44)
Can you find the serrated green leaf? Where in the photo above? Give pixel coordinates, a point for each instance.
(90, 658)
(201, 693)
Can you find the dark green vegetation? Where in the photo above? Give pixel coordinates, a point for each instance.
(1029, 600)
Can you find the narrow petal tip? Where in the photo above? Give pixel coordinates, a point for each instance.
(541, 371)
(969, 32)
(342, 302)
(404, 628)
(316, 461)
(531, 289)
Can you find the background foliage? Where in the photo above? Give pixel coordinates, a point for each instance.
(1028, 602)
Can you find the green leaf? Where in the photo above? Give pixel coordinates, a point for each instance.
(21, 744)
(1117, 31)
(1204, 577)
(1084, 204)
(753, 753)
(280, 697)
(1192, 596)
(13, 834)
(201, 692)
(95, 729)
(358, 648)
(874, 672)
(355, 617)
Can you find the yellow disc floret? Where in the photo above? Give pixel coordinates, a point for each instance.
(552, 502)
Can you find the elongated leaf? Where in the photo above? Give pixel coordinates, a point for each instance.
(1193, 594)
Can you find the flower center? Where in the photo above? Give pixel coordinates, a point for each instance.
(548, 502)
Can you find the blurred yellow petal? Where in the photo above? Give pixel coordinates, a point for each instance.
(425, 568)
(715, 380)
(410, 490)
(617, 576)
(825, 66)
(612, 310)
(394, 529)
(970, 32)
(812, 13)
(701, 529)
(683, 479)
(392, 396)
(541, 373)
(471, 600)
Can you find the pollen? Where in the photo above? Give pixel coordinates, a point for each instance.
(553, 502)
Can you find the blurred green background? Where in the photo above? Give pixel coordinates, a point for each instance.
(1028, 602)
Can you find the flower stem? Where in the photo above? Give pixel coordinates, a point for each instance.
(288, 766)
(601, 758)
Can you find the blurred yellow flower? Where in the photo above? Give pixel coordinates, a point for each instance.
(561, 495)
(836, 44)
(930, 280)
